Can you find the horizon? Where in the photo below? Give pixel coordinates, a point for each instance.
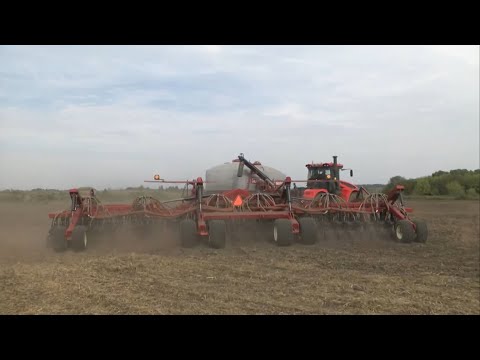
(167, 185)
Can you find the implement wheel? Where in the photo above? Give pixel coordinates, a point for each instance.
(79, 239)
(404, 232)
(308, 231)
(56, 239)
(188, 233)
(421, 231)
(217, 233)
(282, 232)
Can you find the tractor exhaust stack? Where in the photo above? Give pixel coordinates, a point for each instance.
(336, 174)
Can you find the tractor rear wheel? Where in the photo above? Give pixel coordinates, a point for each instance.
(308, 231)
(421, 231)
(56, 239)
(79, 238)
(404, 231)
(188, 233)
(282, 232)
(217, 233)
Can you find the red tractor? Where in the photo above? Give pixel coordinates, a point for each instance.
(325, 177)
(332, 201)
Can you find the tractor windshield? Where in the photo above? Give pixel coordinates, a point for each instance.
(318, 173)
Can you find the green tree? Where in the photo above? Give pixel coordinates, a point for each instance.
(394, 181)
(409, 185)
(472, 181)
(472, 194)
(455, 189)
(438, 184)
(423, 187)
(460, 172)
(439, 173)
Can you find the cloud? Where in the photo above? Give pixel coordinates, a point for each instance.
(125, 112)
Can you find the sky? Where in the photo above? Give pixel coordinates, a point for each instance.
(113, 116)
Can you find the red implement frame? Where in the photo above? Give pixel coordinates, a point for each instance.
(273, 203)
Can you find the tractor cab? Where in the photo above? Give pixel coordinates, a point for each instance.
(321, 176)
(325, 177)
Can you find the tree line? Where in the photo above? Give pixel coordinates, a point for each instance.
(460, 183)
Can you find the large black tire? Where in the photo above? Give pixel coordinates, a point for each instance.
(56, 239)
(421, 231)
(79, 239)
(355, 196)
(308, 231)
(282, 232)
(404, 232)
(188, 233)
(217, 233)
